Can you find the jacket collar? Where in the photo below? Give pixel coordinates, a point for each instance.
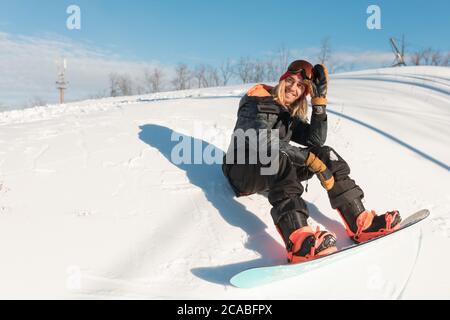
(260, 90)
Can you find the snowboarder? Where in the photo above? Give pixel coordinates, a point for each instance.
(284, 107)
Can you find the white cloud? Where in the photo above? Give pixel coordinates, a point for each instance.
(343, 59)
(350, 59)
(28, 69)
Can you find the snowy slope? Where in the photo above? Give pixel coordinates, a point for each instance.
(91, 205)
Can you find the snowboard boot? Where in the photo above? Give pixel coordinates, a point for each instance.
(363, 225)
(302, 243)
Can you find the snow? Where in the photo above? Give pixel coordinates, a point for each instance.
(92, 206)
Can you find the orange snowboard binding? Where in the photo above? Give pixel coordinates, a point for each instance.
(304, 244)
(363, 225)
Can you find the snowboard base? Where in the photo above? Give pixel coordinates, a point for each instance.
(263, 275)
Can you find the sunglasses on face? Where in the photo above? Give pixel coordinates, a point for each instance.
(302, 83)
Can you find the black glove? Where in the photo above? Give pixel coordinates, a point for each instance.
(319, 86)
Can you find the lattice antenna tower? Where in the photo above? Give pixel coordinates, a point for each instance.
(61, 83)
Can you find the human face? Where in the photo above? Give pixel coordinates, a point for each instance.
(294, 89)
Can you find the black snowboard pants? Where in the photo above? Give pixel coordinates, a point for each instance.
(285, 189)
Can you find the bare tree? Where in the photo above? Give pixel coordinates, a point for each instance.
(114, 90)
(153, 79)
(429, 56)
(416, 58)
(258, 71)
(212, 77)
(325, 51)
(139, 89)
(272, 71)
(226, 71)
(282, 60)
(244, 69)
(446, 60)
(120, 85)
(125, 85)
(37, 101)
(182, 80)
(426, 56)
(199, 75)
(436, 58)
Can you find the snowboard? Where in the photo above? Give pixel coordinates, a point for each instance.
(263, 275)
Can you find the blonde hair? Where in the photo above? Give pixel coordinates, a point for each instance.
(298, 108)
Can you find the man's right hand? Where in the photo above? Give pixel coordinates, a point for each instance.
(324, 174)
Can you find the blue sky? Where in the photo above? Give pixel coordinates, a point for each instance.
(170, 31)
(132, 36)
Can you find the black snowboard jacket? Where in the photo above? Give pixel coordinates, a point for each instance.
(258, 110)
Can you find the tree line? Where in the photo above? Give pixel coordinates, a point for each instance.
(431, 57)
(244, 70)
(157, 79)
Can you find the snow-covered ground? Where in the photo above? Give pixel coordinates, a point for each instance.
(92, 205)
